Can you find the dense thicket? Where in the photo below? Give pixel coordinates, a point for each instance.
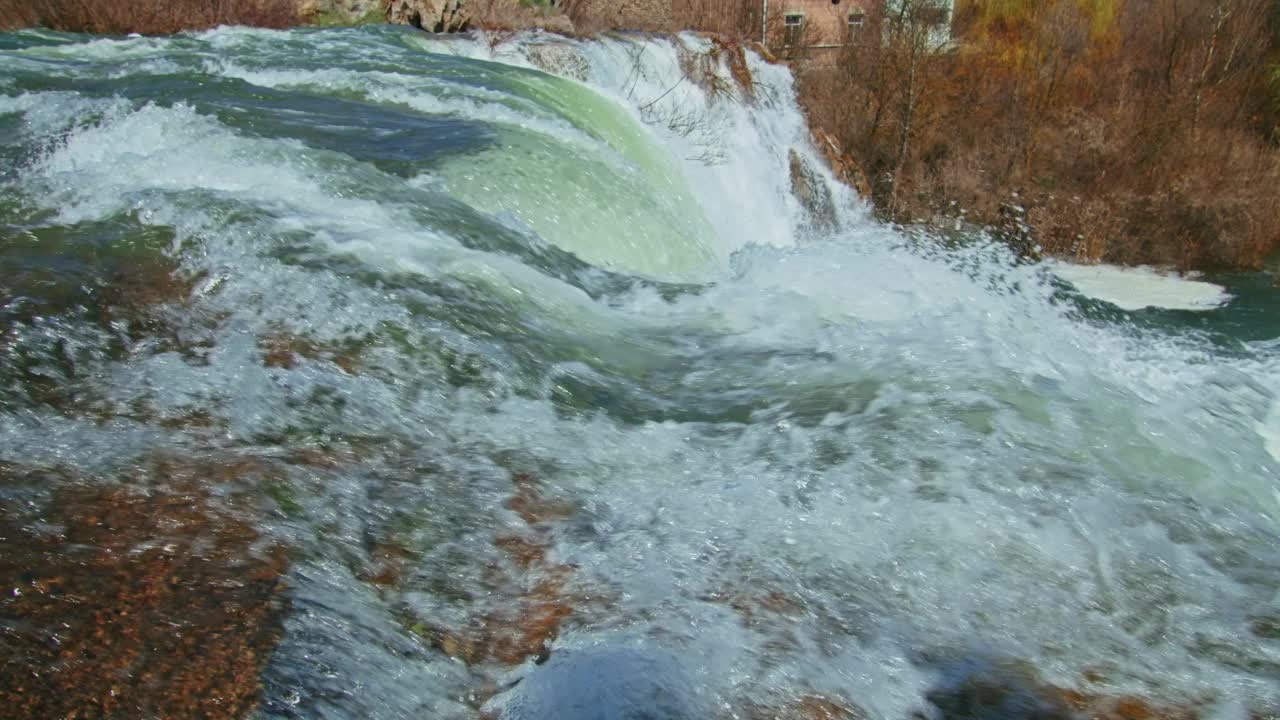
(1118, 130)
(146, 16)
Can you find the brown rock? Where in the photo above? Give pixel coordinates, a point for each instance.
(1011, 689)
(531, 630)
(560, 58)
(759, 606)
(807, 707)
(453, 17)
(531, 506)
(283, 350)
(533, 594)
(123, 603)
(813, 194)
(735, 58)
(598, 16)
(418, 13)
(816, 707)
(846, 169)
(389, 560)
(1123, 707)
(450, 16)
(526, 552)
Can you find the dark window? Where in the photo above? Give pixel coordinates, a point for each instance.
(857, 20)
(792, 27)
(932, 14)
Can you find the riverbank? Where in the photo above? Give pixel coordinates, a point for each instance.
(1123, 132)
(1050, 131)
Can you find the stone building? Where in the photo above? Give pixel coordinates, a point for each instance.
(817, 30)
(815, 25)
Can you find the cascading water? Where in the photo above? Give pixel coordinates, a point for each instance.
(770, 456)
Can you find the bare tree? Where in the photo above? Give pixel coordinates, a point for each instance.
(914, 32)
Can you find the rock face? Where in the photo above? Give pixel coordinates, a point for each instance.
(449, 16)
(341, 11)
(560, 58)
(1000, 689)
(537, 597)
(125, 604)
(418, 13)
(842, 163)
(813, 194)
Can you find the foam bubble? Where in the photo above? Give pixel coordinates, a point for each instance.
(1142, 287)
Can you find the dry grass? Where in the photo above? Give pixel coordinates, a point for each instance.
(149, 17)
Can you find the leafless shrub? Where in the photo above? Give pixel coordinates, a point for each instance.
(697, 125)
(1143, 136)
(730, 18)
(145, 16)
(703, 70)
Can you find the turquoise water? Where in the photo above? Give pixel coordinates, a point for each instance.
(598, 281)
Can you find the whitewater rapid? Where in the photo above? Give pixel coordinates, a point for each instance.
(566, 260)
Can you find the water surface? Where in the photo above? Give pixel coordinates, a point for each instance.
(789, 457)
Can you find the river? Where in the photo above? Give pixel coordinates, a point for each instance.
(561, 290)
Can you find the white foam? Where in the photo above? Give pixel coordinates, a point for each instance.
(51, 112)
(735, 154)
(1142, 287)
(1269, 429)
(106, 49)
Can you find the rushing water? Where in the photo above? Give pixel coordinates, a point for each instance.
(804, 453)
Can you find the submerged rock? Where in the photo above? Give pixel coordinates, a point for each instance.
(284, 350)
(614, 683)
(535, 598)
(995, 690)
(560, 58)
(984, 689)
(124, 603)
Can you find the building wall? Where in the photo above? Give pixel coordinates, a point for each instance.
(826, 23)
